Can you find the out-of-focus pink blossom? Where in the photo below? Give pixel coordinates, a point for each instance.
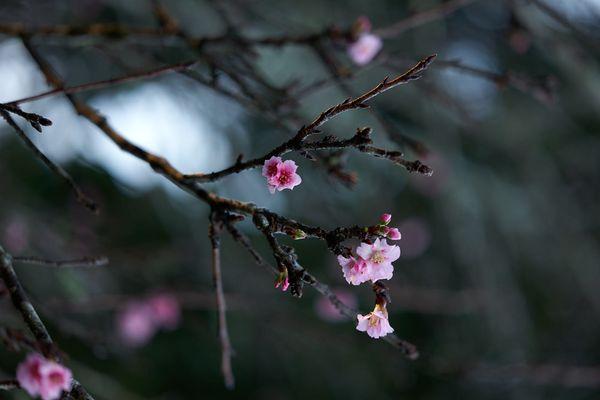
(55, 379)
(165, 310)
(379, 257)
(356, 270)
(365, 48)
(417, 237)
(136, 323)
(281, 174)
(38, 376)
(16, 234)
(375, 323)
(327, 311)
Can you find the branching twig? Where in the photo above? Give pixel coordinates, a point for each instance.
(57, 169)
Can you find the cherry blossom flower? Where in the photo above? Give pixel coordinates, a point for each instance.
(280, 174)
(356, 270)
(55, 379)
(365, 48)
(269, 169)
(165, 310)
(375, 323)
(38, 376)
(379, 257)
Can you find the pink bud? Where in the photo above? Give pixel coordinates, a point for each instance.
(385, 218)
(394, 234)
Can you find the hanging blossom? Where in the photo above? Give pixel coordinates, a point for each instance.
(366, 44)
(375, 323)
(374, 260)
(44, 378)
(280, 174)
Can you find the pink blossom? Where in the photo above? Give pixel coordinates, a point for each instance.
(136, 323)
(365, 48)
(385, 218)
(38, 376)
(379, 257)
(328, 312)
(376, 323)
(55, 379)
(281, 174)
(165, 310)
(28, 373)
(269, 169)
(356, 270)
(393, 234)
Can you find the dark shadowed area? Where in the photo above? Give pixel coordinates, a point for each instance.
(498, 283)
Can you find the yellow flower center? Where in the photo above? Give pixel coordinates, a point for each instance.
(378, 257)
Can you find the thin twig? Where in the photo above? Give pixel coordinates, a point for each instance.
(82, 262)
(81, 197)
(296, 143)
(182, 66)
(226, 348)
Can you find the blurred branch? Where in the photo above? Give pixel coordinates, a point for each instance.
(444, 9)
(182, 66)
(31, 318)
(82, 262)
(9, 384)
(214, 231)
(81, 197)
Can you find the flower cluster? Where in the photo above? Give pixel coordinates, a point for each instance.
(280, 174)
(373, 262)
(366, 44)
(44, 378)
(140, 320)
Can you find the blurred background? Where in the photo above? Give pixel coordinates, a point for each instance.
(499, 280)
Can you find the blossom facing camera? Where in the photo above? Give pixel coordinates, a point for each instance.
(269, 169)
(39, 376)
(375, 323)
(136, 324)
(365, 48)
(356, 270)
(281, 174)
(379, 257)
